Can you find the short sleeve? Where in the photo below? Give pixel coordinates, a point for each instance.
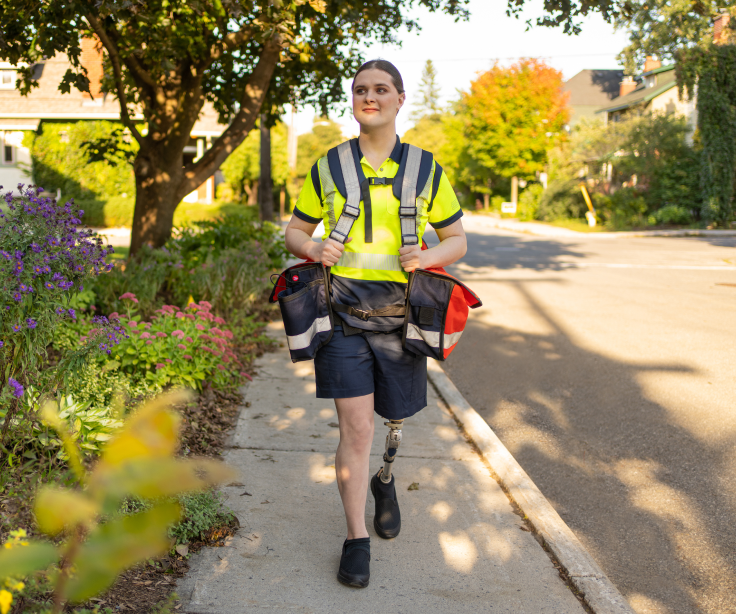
(309, 204)
(445, 206)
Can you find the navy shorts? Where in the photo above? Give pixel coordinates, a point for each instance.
(376, 363)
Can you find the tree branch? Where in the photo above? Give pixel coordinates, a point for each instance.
(254, 93)
(112, 52)
(230, 42)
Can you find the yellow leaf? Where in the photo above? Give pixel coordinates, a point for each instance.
(6, 600)
(156, 478)
(50, 415)
(318, 5)
(118, 545)
(151, 432)
(57, 509)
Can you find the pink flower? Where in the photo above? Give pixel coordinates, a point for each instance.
(135, 332)
(204, 348)
(189, 339)
(128, 296)
(132, 323)
(244, 374)
(216, 352)
(202, 315)
(219, 320)
(168, 360)
(221, 367)
(200, 327)
(160, 365)
(187, 357)
(179, 334)
(167, 308)
(215, 331)
(113, 316)
(149, 342)
(147, 326)
(225, 359)
(228, 334)
(181, 346)
(161, 334)
(205, 337)
(180, 315)
(145, 335)
(205, 305)
(192, 305)
(189, 316)
(176, 308)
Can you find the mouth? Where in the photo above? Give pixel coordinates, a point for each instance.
(370, 110)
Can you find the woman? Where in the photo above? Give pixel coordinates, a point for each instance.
(364, 367)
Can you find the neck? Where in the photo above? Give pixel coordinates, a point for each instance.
(377, 143)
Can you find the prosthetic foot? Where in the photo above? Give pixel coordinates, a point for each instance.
(387, 520)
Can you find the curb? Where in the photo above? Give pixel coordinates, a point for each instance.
(598, 592)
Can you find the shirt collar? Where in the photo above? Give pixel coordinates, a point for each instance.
(395, 154)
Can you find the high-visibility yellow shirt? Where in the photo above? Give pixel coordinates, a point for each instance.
(379, 260)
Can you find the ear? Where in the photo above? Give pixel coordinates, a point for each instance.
(402, 100)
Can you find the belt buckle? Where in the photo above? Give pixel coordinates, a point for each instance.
(359, 313)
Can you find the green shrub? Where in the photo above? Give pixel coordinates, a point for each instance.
(113, 212)
(88, 160)
(528, 205)
(626, 208)
(201, 512)
(673, 214)
(561, 200)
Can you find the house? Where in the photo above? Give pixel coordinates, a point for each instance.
(655, 90)
(45, 103)
(590, 90)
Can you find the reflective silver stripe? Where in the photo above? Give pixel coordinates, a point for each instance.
(352, 188)
(409, 189)
(299, 342)
(432, 339)
(376, 262)
(328, 186)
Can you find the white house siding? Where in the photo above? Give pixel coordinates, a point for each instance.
(669, 102)
(17, 170)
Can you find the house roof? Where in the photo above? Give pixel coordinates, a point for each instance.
(642, 93)
(47, 102)
(593, 87)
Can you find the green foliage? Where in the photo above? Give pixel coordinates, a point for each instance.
(242, 169)
(138, 461)
(200, 512)
(712, 69)
(528, 206)
(673, 214)
(88, 160)
(561, 200)
(314, 145)
(428, 99)
(109, 211)
(626, 208)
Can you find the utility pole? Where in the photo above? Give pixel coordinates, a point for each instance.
(265, 183)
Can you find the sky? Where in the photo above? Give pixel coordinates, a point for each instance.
(461, 50)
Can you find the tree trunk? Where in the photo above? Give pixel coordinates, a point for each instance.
(155, 199)
(265, 183)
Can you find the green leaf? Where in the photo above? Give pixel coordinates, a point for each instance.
(22, 560)
(118, 545)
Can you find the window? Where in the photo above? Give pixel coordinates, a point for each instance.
(8, 154)
(7, 79)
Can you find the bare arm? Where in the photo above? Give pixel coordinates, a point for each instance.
(451, 248)
(299, 242)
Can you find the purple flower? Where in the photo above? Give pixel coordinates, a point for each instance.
(17, 296)
(60, 311)
(36, 248)
(5, 255)
(57, 277)
(31, 323)
(52, 240)
(2, 344)
(16, 328)
(72, 314)
(17, 387)
(49, 286)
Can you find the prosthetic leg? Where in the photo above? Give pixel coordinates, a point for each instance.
(387, 520)
(393, 441)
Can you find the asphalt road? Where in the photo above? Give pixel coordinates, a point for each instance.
(608, 369)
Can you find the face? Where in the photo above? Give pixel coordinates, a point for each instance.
(376, 101)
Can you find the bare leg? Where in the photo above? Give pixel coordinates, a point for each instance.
(355, 416)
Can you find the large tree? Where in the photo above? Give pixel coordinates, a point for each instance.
(165, 58)
(510, 119)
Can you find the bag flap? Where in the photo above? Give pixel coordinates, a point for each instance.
(280, 284)
(471, 298)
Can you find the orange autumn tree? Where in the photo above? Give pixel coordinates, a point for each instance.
(510, 119)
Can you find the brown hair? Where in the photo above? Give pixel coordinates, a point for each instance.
(386, 67)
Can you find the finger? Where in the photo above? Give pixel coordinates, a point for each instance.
(348, 240)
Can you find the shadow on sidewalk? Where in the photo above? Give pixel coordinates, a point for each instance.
(659, 518)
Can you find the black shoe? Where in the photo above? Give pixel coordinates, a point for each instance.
(387, 520)
(355, 563)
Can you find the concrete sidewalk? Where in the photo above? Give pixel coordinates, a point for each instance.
(461, 549)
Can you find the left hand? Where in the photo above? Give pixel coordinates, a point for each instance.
(411, 257)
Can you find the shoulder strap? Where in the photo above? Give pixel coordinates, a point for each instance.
(415, 168)
(316, 182)
(344, 157)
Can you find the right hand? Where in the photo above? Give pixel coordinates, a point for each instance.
(328, 252)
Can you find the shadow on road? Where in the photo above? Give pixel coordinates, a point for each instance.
(658, 524)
